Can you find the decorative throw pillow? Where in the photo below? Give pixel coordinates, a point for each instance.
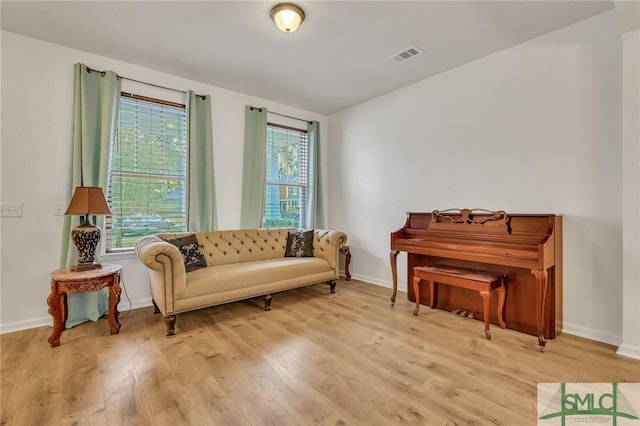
(299, 244)
(190, 250)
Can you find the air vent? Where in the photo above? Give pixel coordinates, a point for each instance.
(406, 54)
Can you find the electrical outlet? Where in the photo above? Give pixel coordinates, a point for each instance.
(58, 209)
(10, 209)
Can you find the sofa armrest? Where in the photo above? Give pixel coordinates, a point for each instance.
(168, 275)
(326, 245)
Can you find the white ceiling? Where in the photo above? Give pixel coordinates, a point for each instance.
(339, 57)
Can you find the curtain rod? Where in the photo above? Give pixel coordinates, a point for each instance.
(283, 115)
(288, 116)
(144, 82)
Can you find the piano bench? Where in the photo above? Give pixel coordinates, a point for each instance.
(482, 281)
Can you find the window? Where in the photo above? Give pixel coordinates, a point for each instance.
(147, 178)
(285, 196)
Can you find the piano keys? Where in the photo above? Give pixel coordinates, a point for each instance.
(525, 247)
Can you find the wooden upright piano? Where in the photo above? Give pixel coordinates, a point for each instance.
(525, 247)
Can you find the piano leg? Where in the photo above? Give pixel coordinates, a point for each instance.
(501, 298)
(394, 274)
(542, 278)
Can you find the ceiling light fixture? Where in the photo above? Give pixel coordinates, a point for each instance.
(287, 16)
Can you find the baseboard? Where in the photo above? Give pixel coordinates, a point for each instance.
(589, 333)
(629, 351)
(123, 307)
(376, 281)
(26, 325)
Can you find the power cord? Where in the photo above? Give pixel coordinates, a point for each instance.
(127, 296)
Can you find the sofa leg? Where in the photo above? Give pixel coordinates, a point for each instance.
(170, 322)
(332, 285)
(156, 310)
(267, 302)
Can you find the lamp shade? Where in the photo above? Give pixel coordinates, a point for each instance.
(287, 16)
(88, 200)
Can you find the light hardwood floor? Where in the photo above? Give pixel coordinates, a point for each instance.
(316, 358)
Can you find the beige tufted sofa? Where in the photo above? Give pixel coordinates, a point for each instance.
(241, 264)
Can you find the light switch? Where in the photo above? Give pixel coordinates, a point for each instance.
(10, 209)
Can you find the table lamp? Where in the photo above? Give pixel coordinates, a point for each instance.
(87, 200)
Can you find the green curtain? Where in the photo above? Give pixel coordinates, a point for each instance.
(315, 206)
(202, 198)
(96, 105)
(254, 163)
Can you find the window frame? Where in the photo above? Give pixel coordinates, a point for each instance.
(303, 176)
(110, 236)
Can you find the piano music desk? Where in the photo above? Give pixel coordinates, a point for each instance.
(481, 281)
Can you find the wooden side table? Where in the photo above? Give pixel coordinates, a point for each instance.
(344, 250)
(66, 281)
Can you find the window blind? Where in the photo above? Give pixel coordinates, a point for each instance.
(148, 170)
(285, 198)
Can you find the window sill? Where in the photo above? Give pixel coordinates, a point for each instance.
(124, 255)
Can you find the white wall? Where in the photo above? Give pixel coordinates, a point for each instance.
(631, 194)
(533, 128)
(37, 105)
